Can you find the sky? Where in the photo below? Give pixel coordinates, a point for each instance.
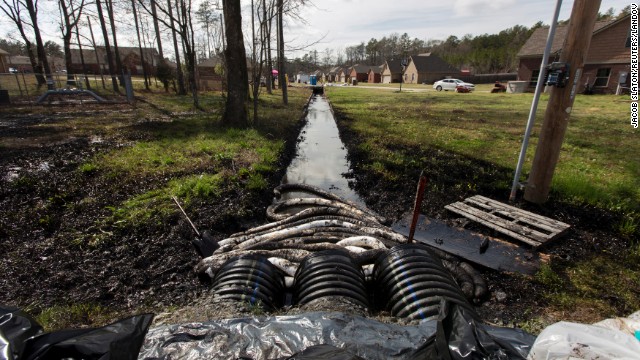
(337, 24)
(341, 23)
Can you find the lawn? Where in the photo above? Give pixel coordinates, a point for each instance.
(598, 164)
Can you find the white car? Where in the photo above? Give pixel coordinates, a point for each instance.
(452, 84)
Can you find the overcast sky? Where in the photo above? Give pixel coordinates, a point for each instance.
(349, 22)
(337, 24)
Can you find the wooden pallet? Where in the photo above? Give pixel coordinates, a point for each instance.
(522, 225)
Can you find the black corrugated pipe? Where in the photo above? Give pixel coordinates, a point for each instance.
(411, 283)
(330, 273)
(252, 279)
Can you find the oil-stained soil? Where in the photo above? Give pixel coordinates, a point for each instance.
(48, 209)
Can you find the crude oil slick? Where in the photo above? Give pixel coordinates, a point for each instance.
(321, 158)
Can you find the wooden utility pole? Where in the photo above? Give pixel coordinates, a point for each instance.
(556, 118)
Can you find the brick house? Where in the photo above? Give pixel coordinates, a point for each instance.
(375, 74)
(391, 71)
(427, 68)
(334, 74)
(608, 59)
(358, 72)
(130, 57)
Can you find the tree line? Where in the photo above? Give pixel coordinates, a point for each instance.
(482, 54)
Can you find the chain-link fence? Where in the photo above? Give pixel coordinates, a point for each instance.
(16, 88)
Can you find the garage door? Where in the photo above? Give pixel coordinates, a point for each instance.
(386, 79)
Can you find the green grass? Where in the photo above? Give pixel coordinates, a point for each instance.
(73, 316)
(193, 158)
(597, 164)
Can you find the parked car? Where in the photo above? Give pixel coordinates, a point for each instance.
(452, 84)
(13, 70)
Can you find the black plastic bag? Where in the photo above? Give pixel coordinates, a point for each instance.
(15, 328)
(459, 337)
(21, 338)
(120, 340)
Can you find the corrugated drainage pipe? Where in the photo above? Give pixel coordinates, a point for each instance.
(328, 274)
(411, 283)
(252, 279)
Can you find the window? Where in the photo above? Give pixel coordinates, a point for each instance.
(534, 78)
(602, 77)
(628, 43)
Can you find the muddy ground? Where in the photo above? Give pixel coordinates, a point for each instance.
(48, 210)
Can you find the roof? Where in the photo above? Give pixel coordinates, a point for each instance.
(211, 62)
(89, 54)
(376, 69)
(395, 66)
(432, 64)
(2, 52)
(360, 69)
(19, 60)
(538, 40)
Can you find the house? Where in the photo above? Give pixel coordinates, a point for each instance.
(210, 67)
(358, 72)
(95, 61)
(4, 61)
(375, 74)
(334, 74)
(342, 75)
(607, 64)
(391, 71)
(320, 77)
(22, 63)
(302, 77)
(427, 68)
(210, 74)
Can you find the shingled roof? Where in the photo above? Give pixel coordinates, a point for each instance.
(360, 69)
(395, 66)
(432, 64)
(534, 46)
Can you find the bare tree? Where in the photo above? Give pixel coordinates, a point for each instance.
(43, 62)
(70, 12)
(14, 10)
(107, 47)
(142, 62)
(235, 113)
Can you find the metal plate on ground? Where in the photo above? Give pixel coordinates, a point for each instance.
(525, 226)
(499, 255)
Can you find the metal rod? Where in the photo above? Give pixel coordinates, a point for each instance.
(186, 216)
(536, 100)
(422, 184)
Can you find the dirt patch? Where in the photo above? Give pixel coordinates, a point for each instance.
(54, 251)
(48, 207)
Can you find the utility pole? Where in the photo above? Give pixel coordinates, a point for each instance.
(281, 63)
(556, 118)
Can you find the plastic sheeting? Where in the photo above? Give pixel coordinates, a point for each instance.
(607, 339)
(354, 337)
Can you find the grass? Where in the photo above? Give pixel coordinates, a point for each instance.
(68, 316)
(597, 164)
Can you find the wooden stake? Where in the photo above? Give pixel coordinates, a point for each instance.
(556, 119)
(422, 184)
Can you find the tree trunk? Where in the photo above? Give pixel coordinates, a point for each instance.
(181, 87)
(267, 45)
(154, 15)
(281, 70)
(144, 68)
(43, 63)
(112, 22)
(107, 47)
(235, 113)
